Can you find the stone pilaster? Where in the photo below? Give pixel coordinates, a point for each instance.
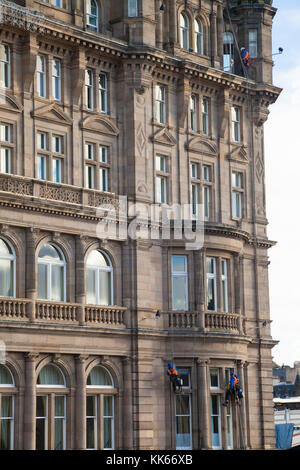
(203, 400)
(30, 401)
(80, 423)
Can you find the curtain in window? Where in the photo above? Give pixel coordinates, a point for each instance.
(5, 376)
(6, 422)
(50, 375)
(99, 376)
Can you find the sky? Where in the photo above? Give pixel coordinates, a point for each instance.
(282, 168)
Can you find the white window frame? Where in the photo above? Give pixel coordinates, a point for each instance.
(5, 67)
(57, 166)
(184, 30)
(224, 285)
(237, 194)
(218, 447)
(112, 417)
(181, 274)
(236, 124)
(228, 52)
(89, 89)
(213, 277)
(95, 420)
(194, 112)
(205, 115)
(253, 48)
(8, 418)
(132, 8)
(103, 93)
(10, 257)
(41, 76)
(176, 396)
(199, 36)
(49, 264)
(214, 387)
(90, 15)
(96, 269)
(42, 167)
(160, 100)
(45, 419)
(56, 79)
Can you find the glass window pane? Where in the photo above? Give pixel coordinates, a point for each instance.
(41, 415)
(97, 259)
(214, 378)
(179, 264)
(211, 300)
(91, 286)
(59, 434)
(210, 265)
(6, 406)
(99, 376)
(42, 281)
(104, 288)
(6, 278)
(182, 405)
(108, 433)
(6, 441)
(57, 283)
(179, 290)
(5, 376)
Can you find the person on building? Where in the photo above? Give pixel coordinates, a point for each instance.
(172, 372)
(245, 56)
(233, 389)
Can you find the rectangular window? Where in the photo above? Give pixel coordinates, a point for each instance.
(229, 426)
(89, 151)
(205, 116)
(42, 141)
(207, 178)
(41, 438)
(57, 170)
(103, 179)
(108, 422)
(132, 8)
(103, 153)
(57, 144)
(161, 189)
(185, 375)
(103, 92)
(91, 422)
(59, 422)
(236, 123)
(57, 3)
(253, 43)
(42, 167)
(92, 15)
(194, 198)
(89, 85)
(211, 284)
(7, 422)
(237, 195)
(224, 281)
(179, 283)
(215, 422)
(194, 114)
(161, 163)
(41, 76)
(183, 422)
(5, 132)
(160, 104)
(194, 170)
(56, 79)
(214, 378)
(5, 160)
(4, 66)
(90, 176)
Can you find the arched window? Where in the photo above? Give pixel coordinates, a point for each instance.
(92, 15)
(51, 274)
(99, 279)
(7, 270)
(51, 408)
(6, 409)
(199, 43)
(228, 52)
(100, 409)
(184, 31)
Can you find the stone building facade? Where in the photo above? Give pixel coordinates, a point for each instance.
(147, 100)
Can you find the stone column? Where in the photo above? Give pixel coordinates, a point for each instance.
(30, 401)
(80, 277)
(172, 22)
(203, 404)
(220, 30)
(159, 24)
(242, 410)
(127, 405)
(213, 37)
(80, 418)
(31, 271)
